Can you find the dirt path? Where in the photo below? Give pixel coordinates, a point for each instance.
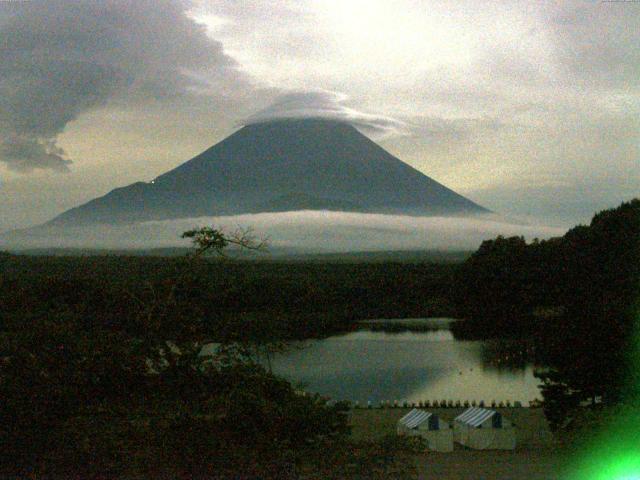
(523, 464)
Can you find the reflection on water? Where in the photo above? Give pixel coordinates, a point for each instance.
(404, 336)
(508, 354)
(413, 366)
(408, 324)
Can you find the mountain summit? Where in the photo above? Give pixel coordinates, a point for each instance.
(280, 165)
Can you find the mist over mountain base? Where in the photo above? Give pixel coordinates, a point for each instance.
(309, 231)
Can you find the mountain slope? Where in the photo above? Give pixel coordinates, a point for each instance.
(278, 166)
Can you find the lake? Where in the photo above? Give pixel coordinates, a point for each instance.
(415, 366)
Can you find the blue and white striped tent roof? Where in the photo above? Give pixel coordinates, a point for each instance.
(414, 418)
(475, 416)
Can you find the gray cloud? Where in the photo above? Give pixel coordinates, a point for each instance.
(561, 205)
(62, 58)
(24, 154)
(597, 43)
(328, 105)
(433, 130)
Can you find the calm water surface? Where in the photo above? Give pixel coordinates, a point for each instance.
(414, 366)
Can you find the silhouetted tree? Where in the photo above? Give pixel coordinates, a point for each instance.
(595, 357)
(85, 397)
(592, 274)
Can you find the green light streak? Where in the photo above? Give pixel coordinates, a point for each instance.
(614, 453)
(611, 451)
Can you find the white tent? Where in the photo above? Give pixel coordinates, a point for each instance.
(436, 433)
(484, 429)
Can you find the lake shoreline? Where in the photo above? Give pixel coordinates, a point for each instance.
(425, 367)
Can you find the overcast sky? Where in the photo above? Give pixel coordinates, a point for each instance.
(530, 108)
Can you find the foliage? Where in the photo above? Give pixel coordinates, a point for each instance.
(602, 299)
(208, 239)
(559, 399)
(105, 376)
(85, 403)
(592, 274)
(390, 457)
(294, 300)
(517, 277)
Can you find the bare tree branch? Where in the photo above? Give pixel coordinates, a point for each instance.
(209, 239)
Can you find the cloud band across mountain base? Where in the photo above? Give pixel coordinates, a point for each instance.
(311, 231)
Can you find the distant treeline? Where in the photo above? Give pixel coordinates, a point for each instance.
(289, 300)
(273, 255)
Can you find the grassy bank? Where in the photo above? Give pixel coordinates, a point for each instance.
(535, 457)
(375, 423)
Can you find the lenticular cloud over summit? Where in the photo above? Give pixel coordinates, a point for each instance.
(327, 105)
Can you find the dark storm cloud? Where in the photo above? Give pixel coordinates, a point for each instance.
(62, 58)
(25, 155)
